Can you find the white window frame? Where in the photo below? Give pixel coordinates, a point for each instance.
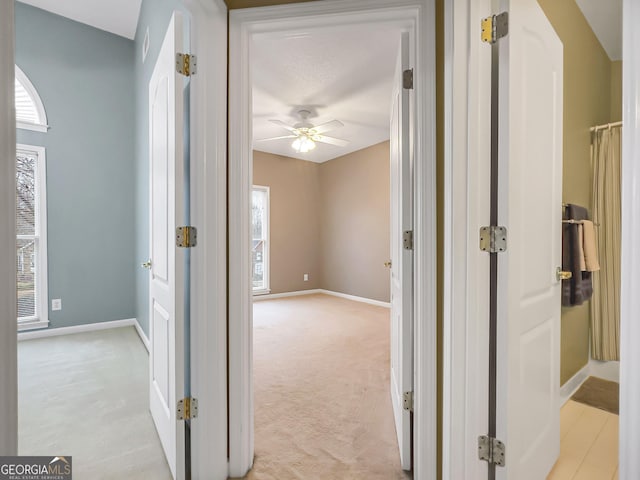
(267, 248)
(33, 93)
(41, 317)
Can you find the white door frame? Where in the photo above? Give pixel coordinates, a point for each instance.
(629, 465)
(467, 157)
(420, 15)
(8, 314)
(467, 148)
(208, 127)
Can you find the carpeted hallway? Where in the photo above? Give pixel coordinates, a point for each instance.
(322, 402)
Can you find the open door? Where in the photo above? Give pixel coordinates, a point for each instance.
(401, 258)
(530, 206)
(166, 285)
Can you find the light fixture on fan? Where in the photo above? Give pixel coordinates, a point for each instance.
(303, 144)
(306, 135)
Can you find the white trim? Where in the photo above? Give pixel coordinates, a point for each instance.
(354, 298)
(629, 465)
(467, 158)
(410, 14)
(574, 383)
(208, 27)
(33, 93)
(89, 327)
(34, 324)
(42, 278)
(143, 336)
(609, 370)
(273, 296)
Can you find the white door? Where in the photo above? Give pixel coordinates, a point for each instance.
(166, 289)
(401, 258)
(530, 206)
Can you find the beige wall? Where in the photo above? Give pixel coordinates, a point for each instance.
(616, 91)
(294, 213)
(587, 102)
(355, 223)
(329, 220)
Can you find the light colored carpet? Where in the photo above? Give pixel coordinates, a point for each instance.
(86, 396)
(322, 403)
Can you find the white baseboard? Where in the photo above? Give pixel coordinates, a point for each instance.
(90, 327)
(258, 298)
(605, 370)
(573, 384)
(142, 335)
(271, 296)
(356, 299)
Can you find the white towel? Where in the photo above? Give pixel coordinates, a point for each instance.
(583, 261)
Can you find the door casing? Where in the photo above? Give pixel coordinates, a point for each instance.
(418, 15)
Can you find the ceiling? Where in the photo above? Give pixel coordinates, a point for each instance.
(115, 16)
(341, 74)
(605, 18)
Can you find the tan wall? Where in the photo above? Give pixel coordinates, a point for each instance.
(355, 223)
(616, 91)
(294, 213)
(587, 102)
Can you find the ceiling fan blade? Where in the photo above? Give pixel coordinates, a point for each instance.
(276, 138)
(331, 140)
(283, 125)
(325, 127)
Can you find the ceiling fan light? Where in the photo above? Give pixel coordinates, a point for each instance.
(297, 144)
(303, 144)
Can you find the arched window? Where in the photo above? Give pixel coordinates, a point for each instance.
(30, 114)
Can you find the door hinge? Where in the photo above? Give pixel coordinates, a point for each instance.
(186, 237)
(407, 79)
(407, 239)
(493, 239)
(491, 450)
(187, 408)
(494, 27)
(407, 401)
(186, 64)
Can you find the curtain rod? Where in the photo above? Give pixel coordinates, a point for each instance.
(606, 125)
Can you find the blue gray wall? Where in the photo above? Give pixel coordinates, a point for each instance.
(154, 14)
(85, 78)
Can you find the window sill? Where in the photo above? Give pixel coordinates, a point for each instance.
(32, 324)
(261, 292)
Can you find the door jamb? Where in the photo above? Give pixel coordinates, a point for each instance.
(466, 268)
(208, 172)
(244, 23)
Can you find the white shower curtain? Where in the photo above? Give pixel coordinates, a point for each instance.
(605, 306)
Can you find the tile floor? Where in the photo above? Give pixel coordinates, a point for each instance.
(588, 444)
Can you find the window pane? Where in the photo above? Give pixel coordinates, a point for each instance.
(259, 230)
(26, 277)
(25, 194)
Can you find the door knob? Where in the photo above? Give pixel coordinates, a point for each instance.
(387, 264)
(146, 264)
(562, 275)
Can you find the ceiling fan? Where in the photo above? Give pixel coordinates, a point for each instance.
(306, 134)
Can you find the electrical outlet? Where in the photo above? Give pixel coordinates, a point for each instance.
(306, 277)
(56, 304)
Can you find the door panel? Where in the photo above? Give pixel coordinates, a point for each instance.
(166, 285)
(531, 89)
(401, 259)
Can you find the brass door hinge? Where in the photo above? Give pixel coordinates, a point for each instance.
(494, 27)
(186, 237)
(187, 408)
(186, 64)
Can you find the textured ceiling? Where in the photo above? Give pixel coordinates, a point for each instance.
(115, 16)
(605, 18)
(340, 74)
